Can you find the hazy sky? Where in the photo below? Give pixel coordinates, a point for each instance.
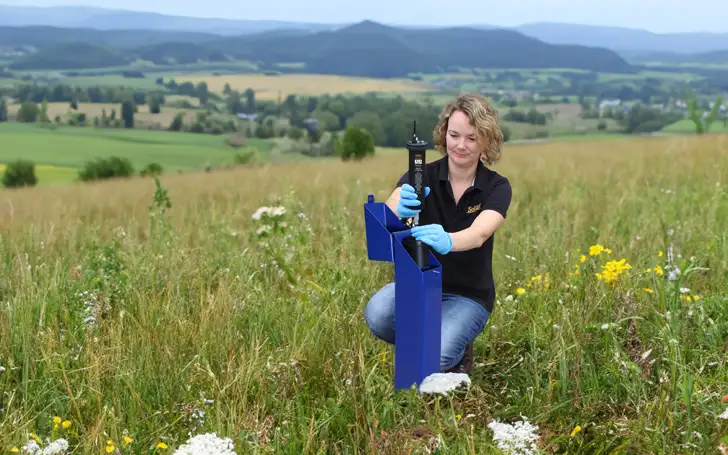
(654, 15)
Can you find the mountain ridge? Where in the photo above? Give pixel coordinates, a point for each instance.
(620, 39)
(366, 48)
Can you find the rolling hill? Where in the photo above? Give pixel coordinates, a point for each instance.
(364, 49)
(626, 41)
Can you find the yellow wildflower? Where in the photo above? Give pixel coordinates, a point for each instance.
(109, 449)
(127, 440)
(648, 290)
(660, 253)
(15, 450)
(56, 420)
(161, 445)
(582, 258)
(658, 270)
(520, 291)
(66, 424)
(612, 270)
(55, 426)
(459, 416)
(35, 437)
(575, 430)
(595, 250)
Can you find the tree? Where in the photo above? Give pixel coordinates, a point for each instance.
(3, 111)
(28, 112)
(357, 144)
(127, 114)
(702, 120)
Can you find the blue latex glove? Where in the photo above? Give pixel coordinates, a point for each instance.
(433, 235)
(407, 200)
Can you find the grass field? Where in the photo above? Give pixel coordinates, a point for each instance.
(156, 328)
(72, 146)
(51, 174)
(271, 87)
(688, 126)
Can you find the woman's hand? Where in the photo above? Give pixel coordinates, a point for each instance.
(433, 235)
(407, 200)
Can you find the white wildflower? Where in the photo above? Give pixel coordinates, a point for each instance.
(260, 212)
(31, 447)
(443, 382)
(59, 446)
(517, 439)
(724, 415)
(277, 211)
(207, 444)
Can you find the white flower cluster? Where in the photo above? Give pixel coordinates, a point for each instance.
(207, 444)
(270, 211)
(59, 446)
(517, 439)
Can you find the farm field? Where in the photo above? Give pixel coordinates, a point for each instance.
(271, 87)
(142, 116)
(73, 146)
(609, 334)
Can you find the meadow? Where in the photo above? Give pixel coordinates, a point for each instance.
(71, 147)
(134, 316)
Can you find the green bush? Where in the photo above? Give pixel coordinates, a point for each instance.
(357, 144)
(151, 169)
(247, 156)
(20, 173)
(106, 168)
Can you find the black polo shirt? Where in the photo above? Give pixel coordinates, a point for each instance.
(466, 273)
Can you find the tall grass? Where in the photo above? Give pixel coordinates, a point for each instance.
(127, 316)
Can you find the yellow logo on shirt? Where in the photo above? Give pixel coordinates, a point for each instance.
(473, 208)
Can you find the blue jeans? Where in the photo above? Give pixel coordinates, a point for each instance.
(462, 320)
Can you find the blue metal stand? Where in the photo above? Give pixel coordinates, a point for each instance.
(418, 296)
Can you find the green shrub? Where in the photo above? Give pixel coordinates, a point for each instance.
(106, 168)
(20, 173)
(357, 144)
(151, 169)
(247, 156)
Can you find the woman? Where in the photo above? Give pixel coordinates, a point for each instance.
(466, 203)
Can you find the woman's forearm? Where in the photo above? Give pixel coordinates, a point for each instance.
(478, 233)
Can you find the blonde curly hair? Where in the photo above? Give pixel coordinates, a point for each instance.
(482, 116)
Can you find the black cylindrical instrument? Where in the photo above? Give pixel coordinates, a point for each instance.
(416, 148)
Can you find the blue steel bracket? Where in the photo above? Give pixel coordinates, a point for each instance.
(418, 296)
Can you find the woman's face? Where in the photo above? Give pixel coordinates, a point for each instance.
(462, 142)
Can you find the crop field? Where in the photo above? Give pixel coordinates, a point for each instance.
(73, 146)
(142, 116)
(271, 87)
(128, 325)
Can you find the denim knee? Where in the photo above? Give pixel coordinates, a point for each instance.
(379, 313)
